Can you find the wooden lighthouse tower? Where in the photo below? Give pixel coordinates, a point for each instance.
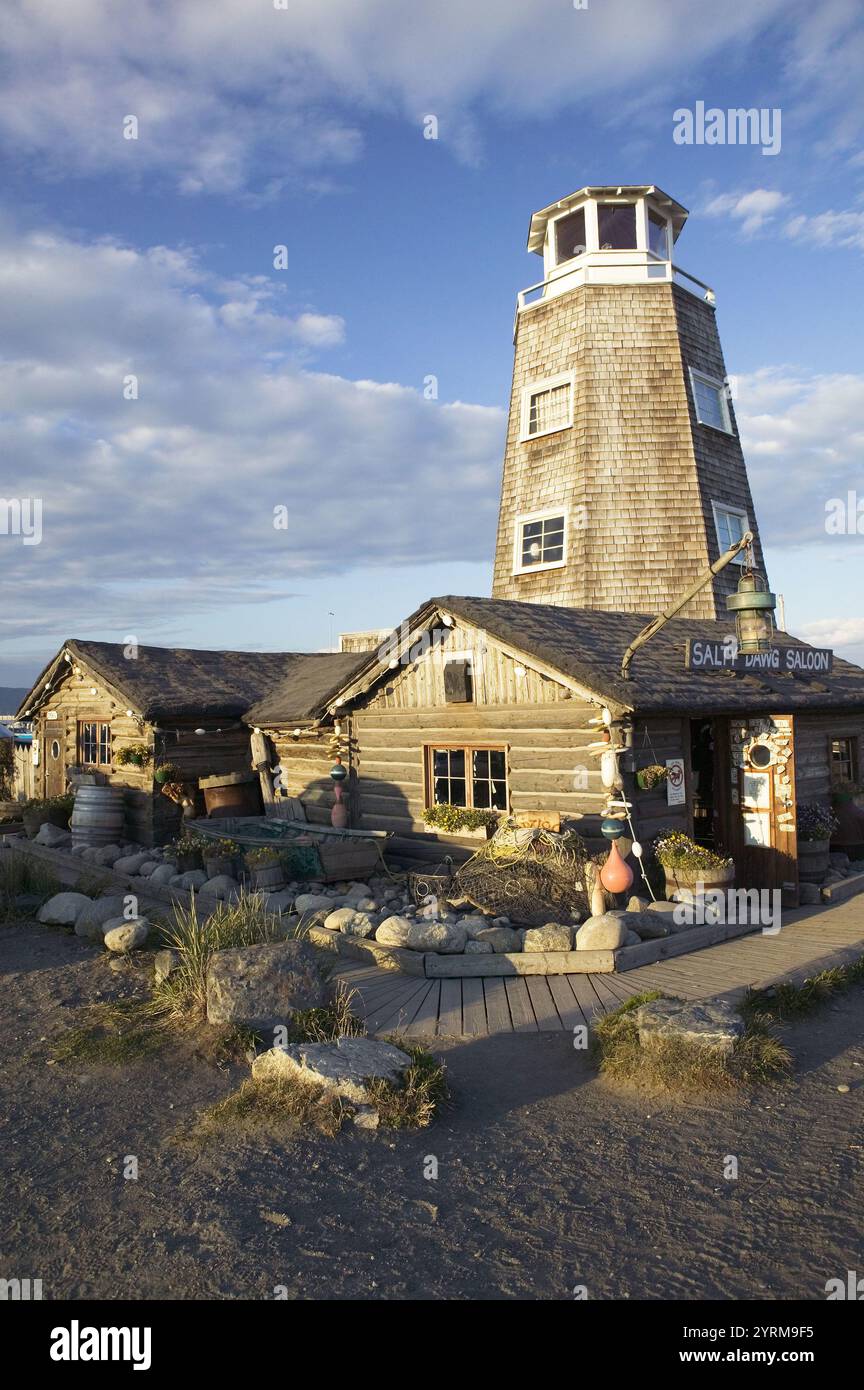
(624, 477)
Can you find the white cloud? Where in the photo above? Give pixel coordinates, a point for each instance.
(227, 89)
(829, 229)
(752, 209)
(841, 634)
(166, 502)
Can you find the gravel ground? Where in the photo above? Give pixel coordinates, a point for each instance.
(547, 1178)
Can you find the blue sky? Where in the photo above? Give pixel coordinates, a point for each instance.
(303, 387)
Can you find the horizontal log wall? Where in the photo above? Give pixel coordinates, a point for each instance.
(813, 735)
(655, 740)
(306, 762)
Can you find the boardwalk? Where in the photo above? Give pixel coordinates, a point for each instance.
(394, 1003)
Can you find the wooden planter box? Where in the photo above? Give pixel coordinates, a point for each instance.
(484, 832)
(688, 878)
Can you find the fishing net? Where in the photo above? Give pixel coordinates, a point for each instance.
(530, 876)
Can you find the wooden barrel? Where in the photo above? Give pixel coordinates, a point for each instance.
(97, 817)
(813, 863)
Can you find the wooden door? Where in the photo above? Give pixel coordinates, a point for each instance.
(762, 810)
(54, 755)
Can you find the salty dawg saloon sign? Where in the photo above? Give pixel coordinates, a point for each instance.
(724, 656)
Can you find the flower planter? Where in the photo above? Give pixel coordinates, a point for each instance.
(217, 864)
(268, 878)
(678, 878)
(483, 832)
(813, 860)
(646, 783)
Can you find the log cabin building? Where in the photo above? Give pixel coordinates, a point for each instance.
(95, 699)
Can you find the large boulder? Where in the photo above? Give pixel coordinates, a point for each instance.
(503, 940)
(129, 863)
(123, 936)
(64, 909)
(605, 932)
(53, 837)
(280, 902)
(479, 948)
(90, 923)
(347, 919)
(164, 874)
(222, 887)
(262, 986)
(314, 902)
(107, 855)
(193, 878)
(474, 924)
(344, 1067)
(149, 868)
(394, 931)
(445, 937)
(554, 936)
(709, 1024)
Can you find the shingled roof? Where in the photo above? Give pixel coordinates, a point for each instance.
(181, 682)
(307, 688)
(587, 645)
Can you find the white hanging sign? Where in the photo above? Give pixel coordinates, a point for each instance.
(676, 790)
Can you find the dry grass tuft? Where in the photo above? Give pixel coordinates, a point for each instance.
(414, 1104)
(113, 1034)
(271, 1103)
(674, 1065)
(786, 1001)
(19, 876)
(243, 923)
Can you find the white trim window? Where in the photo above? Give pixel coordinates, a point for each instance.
(711, 401)
(541, 541)
(547, 406)
(730, 524)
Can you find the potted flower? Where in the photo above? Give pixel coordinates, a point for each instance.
(815, 825)
(220, 857)
(687, 864)
(54, 809)
(188, 851)
(649, 777)
(266, 868)
(167, 772)
(134, 755)
(461, 820)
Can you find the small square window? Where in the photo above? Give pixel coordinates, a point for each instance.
(731, 524)
(844, 760)
(540, 541)
(547, 406)
(616, 225)
(709, 398)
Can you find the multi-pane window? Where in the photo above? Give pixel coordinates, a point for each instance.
(616, 226)
(549, 409)
(658, 235)
(470, 777)
(844, 760)
(709, 398)
(731, 525)
(94, 744)
(570, 236)
(541, 541)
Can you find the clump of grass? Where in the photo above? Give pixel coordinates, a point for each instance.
(785, 1001)
(414, 1104)
(326, 1024)
(91, 883)
(673, 1064)
(270, 1101)
(20, 875)
(113, 1033)
(183, 995)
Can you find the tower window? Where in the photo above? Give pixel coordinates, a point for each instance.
(570, 236)
(541, 541)
(731, 524)
(658, 235)
(616, 225)
(709, 398)
(547, 406)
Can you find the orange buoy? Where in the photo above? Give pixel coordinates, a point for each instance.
(616, 875)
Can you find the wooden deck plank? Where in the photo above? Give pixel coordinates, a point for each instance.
(385, 1017)
(545, 1012)
(584, 995)
(404, 1012)
(450, 1014)
(497, 1009)
(425, 1022)
(473, 1008)
(521, 1011)
(609, 1000)
(565, 1002)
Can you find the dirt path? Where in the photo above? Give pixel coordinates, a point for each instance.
(547, 1179)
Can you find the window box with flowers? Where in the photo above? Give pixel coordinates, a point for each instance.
(464, 821)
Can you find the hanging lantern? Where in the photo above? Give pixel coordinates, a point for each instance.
(616, 876)
(753, 606)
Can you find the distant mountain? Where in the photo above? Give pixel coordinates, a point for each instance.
(10, 698)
